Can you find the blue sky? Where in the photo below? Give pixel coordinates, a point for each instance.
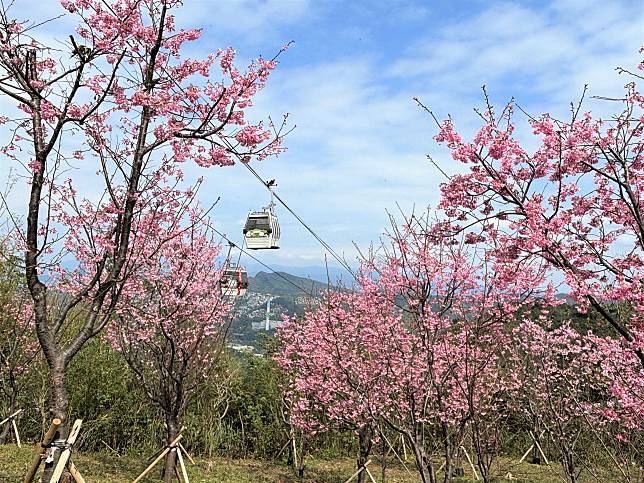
(348, 82)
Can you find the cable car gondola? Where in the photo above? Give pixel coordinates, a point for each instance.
(234, 281)
(262, 230)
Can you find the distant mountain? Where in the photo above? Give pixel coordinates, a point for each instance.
(284, 284)
(315, 272)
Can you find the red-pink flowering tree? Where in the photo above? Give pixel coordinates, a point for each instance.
(18, 344)
(418, 347)
(457, 305)
(573, 202)
(121, 99)
(336, 358)
(169, 319)
(559, 388)
(575, 387)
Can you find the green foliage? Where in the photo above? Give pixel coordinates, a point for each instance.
(105, 395)
(236, 413)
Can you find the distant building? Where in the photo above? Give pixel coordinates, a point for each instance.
(261, 325)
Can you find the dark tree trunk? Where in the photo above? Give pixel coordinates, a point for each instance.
(5, 432)
(383, 460)
(289, 458)
(12, 409)
(451, 443)
(58, 407)
(568, 462)
(423, 462)
(172, 424)
(364, 449)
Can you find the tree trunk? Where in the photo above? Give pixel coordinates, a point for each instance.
(7, 426)
(383, 460)
(568, 462)
(5, 432)
(12, 409)
(58, 407)
(364, 449)
(450, 446)
(423, 463)
(172, 424)
(299, 462)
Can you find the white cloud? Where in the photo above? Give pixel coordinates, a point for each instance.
(361, 141)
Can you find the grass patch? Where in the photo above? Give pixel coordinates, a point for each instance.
(102, 467)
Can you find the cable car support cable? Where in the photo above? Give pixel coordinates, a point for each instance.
(324, 244)
(245, 252)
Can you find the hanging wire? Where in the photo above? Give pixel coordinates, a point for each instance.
(324, 244)
(333, 253)
(245, 252)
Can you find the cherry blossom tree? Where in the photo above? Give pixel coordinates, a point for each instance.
(169, 319)
(573, 202)
(121, 99)
(555, 388)
(566, 385)
(336, 359)
(457, 304)
(18, 344)
(418, 347)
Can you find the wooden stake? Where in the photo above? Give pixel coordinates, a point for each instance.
(75, 473)
(360, 470)
(37, 458)
(469, 460)
(158, 458)
(182, 466)
(10, 417)
(15, 430)
(539, 447)
(187, 454)
(64, 457)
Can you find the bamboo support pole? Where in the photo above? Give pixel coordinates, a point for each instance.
(184, 473)
(395, 453)
(288, 443)
(539, 448)
(75, 473)
(525, 455)
(37, 458)
(10, 417)
(15, 430)
(360, 470)
(187, 454)
(67, 452)
(158, 458)
(373, 480)
(402, 440)
(177, 474)
(469, 460)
